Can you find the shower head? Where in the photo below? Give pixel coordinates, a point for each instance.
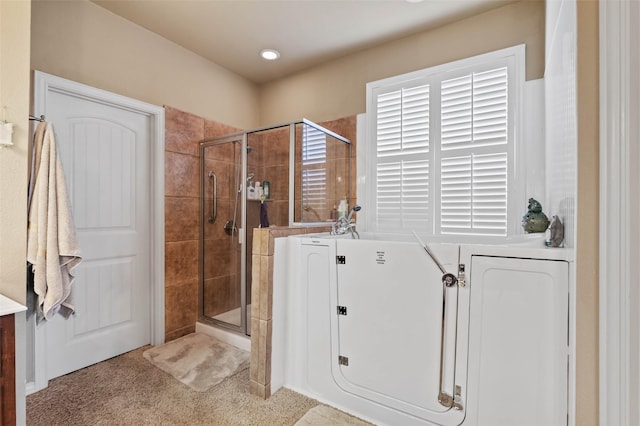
(355, 208)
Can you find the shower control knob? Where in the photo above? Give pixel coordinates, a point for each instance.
(449, 280)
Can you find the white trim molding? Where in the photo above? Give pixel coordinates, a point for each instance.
(619, 201)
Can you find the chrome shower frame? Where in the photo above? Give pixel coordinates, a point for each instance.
(239, 137)
(242, 137)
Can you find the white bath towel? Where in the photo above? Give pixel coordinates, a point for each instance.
(52, 247)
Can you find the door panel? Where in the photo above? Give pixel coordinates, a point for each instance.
(221, 250)
(392, 329)
(518, 345)
(105, 155)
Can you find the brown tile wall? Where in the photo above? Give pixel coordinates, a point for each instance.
(268, 160)
(336, 167)
(345, 127)
(271, 163)
(183, 133)
(222, 253)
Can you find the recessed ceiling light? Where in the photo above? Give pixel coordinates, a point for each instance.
(270, 54)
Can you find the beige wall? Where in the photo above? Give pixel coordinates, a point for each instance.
(587, 212)
(337, 89)
(15, 21)
(81, 41)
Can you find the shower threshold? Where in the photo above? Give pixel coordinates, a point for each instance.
(238, 340)
(232, 316)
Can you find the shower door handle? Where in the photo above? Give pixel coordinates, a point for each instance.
(214, 202)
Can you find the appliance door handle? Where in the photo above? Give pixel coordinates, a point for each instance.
(214, 202)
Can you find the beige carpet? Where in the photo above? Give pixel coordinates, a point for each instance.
(323, 415)
(197, 360)
(129, 390)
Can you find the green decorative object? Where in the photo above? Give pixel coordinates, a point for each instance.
(535, 220)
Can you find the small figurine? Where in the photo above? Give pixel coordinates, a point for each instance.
(535, 220)
(556, 232)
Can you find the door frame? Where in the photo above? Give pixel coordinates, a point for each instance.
(619, 353)
(44, 83)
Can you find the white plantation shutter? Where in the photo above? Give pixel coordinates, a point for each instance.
(402, 159)
(443, 159)
(474, 110)
(403, 194)
(474, 194)
(474, 160)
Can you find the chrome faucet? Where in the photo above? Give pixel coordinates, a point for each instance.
(344, 225)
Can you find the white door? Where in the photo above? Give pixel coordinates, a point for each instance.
(105, 152)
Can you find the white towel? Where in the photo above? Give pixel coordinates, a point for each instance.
(52, 247)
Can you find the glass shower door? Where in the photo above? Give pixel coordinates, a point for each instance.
(222, 240)
(289, 156)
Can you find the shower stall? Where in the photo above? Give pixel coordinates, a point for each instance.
(307, 170)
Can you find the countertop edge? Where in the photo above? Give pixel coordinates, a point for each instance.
(10, 306)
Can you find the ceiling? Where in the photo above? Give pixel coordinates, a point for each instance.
(231, 33)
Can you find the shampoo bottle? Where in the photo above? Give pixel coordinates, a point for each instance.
(342, 208)
(251, 192)
(334, 213)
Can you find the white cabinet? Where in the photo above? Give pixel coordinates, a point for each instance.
(518, 342)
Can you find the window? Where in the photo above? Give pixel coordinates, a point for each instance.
(443, 155)
(402, 149)
(314, 174)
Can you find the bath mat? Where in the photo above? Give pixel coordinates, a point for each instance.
(323, 415)
(197, 360)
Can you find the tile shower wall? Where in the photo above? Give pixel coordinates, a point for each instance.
(271, 163)
(222, 253)
(268, 160)
(346, 127)
(183, 132)
(336, 169)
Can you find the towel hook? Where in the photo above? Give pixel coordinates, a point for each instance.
(34, 118)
